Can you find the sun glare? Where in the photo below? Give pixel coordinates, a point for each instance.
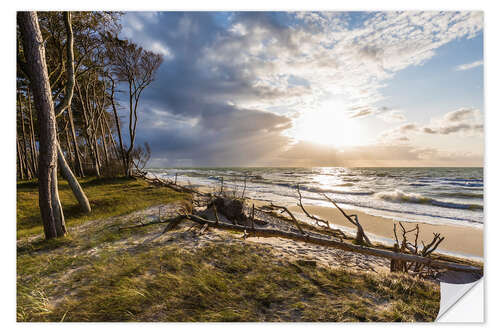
(329, 126)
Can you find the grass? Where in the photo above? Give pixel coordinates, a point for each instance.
(101, 274)
(217, 282)
(107, 197)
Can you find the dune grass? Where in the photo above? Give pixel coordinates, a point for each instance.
(102, 274)
(107, 197)
(217, 282)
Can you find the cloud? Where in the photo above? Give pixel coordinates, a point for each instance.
(464, 121)
(232, 81)
(361, 112)
(389, 155)
(385, 113)
(393, 116)
(471, 65)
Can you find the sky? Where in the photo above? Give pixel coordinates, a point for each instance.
(312, 88)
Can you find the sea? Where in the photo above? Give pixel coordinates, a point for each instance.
(452, 196)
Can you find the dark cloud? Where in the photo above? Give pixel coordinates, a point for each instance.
(186, 114)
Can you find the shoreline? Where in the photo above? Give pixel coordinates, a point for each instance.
(459, 240)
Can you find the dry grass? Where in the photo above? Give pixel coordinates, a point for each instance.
(93, 276)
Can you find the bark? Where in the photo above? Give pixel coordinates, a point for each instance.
(131, 129)
(96, 150)
(117, 120)
(34, 157)
(66, 103)
(73, 182)
(34, 51)
(78, 160)
(69, 153)
(70, 67)
(19, 160)
(105, 146)
(112, 140)
(26, 157)
(87, 129)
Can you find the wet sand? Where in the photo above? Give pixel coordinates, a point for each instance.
(467, 241)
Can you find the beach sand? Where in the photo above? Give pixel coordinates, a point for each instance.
(462, 240)
(459, 240)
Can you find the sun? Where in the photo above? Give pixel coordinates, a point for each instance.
(330, 126)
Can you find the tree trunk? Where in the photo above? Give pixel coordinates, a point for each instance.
(68, 147)
(117, 120)
(105, 146)
(19, 159)
(111, 139)
(96, 152)
(73, 182)
(32, 136)
(87, 129)
(26, 156)
(78, 160)
(34, 52)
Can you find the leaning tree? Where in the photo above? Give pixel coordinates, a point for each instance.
(36, 70)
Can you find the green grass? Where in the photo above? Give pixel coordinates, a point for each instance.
(218, 282)
(107, 197)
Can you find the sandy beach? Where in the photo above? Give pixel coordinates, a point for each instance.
(466, 241)
(459, 240)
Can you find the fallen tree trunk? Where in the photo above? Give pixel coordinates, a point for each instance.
(170, 184)
(337, 244)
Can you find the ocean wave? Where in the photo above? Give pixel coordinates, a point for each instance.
(465, 184)
(400, 196)
(463, 179)
(316, 189)
(461, 195)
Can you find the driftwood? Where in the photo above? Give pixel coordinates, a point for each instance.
(284, 209)
(317, 219)
(398, 257)
(264, 232)
(261, 232)
(169, 183)
(233, 209)
(406, 246)
(360, 235)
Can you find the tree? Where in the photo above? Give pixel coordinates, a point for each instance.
(66, 104)
(36, 69)
(76, 59)
(136, 67)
